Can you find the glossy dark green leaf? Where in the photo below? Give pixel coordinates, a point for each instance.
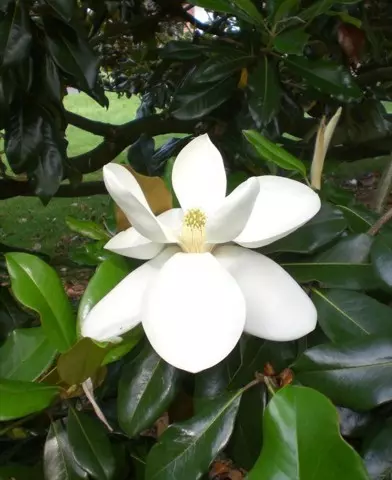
(302, 440)
(183, 50)
(37, 286)
(328, 77)
(350, 249)
(246, 441)
(105, 278)
(87, 228)
(356, 424)
(140, 154)
(26, 354)
(15, 35)
(280, 9)
(274, 153)
(219, 67)
(146, 388)
(381, 255)
(377, 453)
(81, 362)
(345, 315)
(129, 342)
(321, 6)
(360, 219)
(23, 138)
(355, 375)
(90, 445)
(185, 450)
(326, 226)
(64, 8)
(291, 41)
(194, 101)
(350, 276)
(263, 92)
(19, 399)
(59, 462)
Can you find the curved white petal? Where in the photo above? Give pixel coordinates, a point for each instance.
(282, 206)
(119, 311)
(277, 308)
(193, 312)
(198, 176)
(126, 192)
(229, 220)
(131, 244)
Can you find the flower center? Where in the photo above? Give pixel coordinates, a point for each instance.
(193, 231)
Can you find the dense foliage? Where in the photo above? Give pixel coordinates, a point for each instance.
(319, 407)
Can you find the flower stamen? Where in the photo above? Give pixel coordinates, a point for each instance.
(193, 231)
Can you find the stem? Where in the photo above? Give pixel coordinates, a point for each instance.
(384, 188)
(380, 223)
(270, 385)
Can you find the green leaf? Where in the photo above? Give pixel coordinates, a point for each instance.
(105, 278)
(360, 219)
(377, 452)
(326, 226)
(146, 388)
(87, 228)
(64, 8)
(219, 67)
(350, 249)
(274, 153)
(90, 445)
(20, 472)
(302, 440)
(281, 9)
(325, 76)
(129, 342)
(183, 50)
(349, 276)
(263, 92)
(19, 399)
(37, 286)
(322, 6)
(195, 101)
(291, 41)
(355, 375)
(186, 450)
(381, 255)
(81, 362)
(59, 462)
(15, 35)
(345, 315)
(26, 354)
(12, 316)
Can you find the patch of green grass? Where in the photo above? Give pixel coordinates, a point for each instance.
(25, 222)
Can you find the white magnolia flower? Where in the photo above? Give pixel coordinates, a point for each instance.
(201, 288)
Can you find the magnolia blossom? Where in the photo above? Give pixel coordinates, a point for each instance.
(201, 286)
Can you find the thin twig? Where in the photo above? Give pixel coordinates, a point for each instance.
(380, 223)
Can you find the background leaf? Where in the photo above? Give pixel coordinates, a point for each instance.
(377, 452)
(381, 255)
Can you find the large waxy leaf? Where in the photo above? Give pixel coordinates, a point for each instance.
(381, 255)
(345, 315)
(59, 462)
(326, 226)
(220, 66)
(271, 152)
(194, 101)
(19, 399)
(26, 354)
(350, 249)
(264, 92)
(15, 35)
(291, 41)
(105, 278)
(326, 76)
(87, 228)
(302, 440)
(185, 450)
(360, 219)
(355, 375)
(377, 452)
(64, 8)
(146, 388)
(81, 362)
(183, 50)
(37, 286)
(90, 445)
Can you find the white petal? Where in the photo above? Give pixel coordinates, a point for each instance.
(126, 192)
(199, 177)
(119, 311)
(193, 312)
(229, 220)
(277, 308)
(131, 244)
(282, 206)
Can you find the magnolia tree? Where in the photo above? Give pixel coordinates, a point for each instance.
(238, 323)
